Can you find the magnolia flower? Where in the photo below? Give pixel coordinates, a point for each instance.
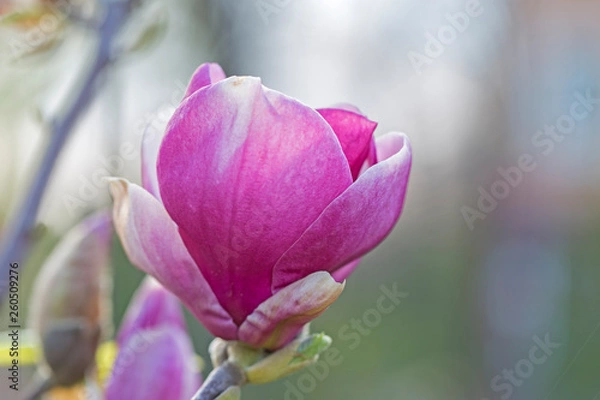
(257, 206)
(156, 359)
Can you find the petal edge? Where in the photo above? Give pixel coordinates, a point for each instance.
(279, 319)
(152, 243)
(357, 220)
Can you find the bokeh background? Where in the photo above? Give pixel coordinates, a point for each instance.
(482, 286)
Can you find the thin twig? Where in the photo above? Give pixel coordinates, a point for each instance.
(15, 241)
(219, 380)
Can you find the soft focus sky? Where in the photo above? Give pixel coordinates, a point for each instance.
(498, 247)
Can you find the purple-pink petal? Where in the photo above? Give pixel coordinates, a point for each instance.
(245, 182)
(342, 273)
(355, 133)
(355, 222)
(153, 244)
(156, 364)
(279, 319)
(206, 74)
(152, 306)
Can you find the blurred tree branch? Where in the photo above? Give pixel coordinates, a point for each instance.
(16, 238)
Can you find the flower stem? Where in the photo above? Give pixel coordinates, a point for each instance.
(15, 242)
(219, 380)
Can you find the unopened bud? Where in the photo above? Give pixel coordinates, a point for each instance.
(156, 359)
(151, 306)
(242, 354)
(69, 349)
(297, 355)
(218, 351)
(154, 365)
(311, 347)
(70, 304)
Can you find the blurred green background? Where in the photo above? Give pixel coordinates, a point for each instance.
(475, 98)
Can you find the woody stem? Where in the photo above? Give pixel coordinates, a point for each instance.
(219, 380)
(15, 241)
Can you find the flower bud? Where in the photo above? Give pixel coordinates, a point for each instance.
(218, 351)
(155, 364)
(156, 359)
(242, 354)
(297, 355)
(151, 307)
(70, 303)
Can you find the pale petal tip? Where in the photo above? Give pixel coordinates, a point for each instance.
(336, 288)
(405, 140)
(243, 84)
(118, 187)
(99, 224)
(393, 144)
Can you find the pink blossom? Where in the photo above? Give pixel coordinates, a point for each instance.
(257, 206)
(156, 359)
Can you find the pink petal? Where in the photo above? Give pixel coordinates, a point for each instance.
(151, 307)
(342, 273)
(152, 243)
(279, 319)
(355, 133)
(355, 222)
(243, 171)
(154, 365)
(206, 74)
